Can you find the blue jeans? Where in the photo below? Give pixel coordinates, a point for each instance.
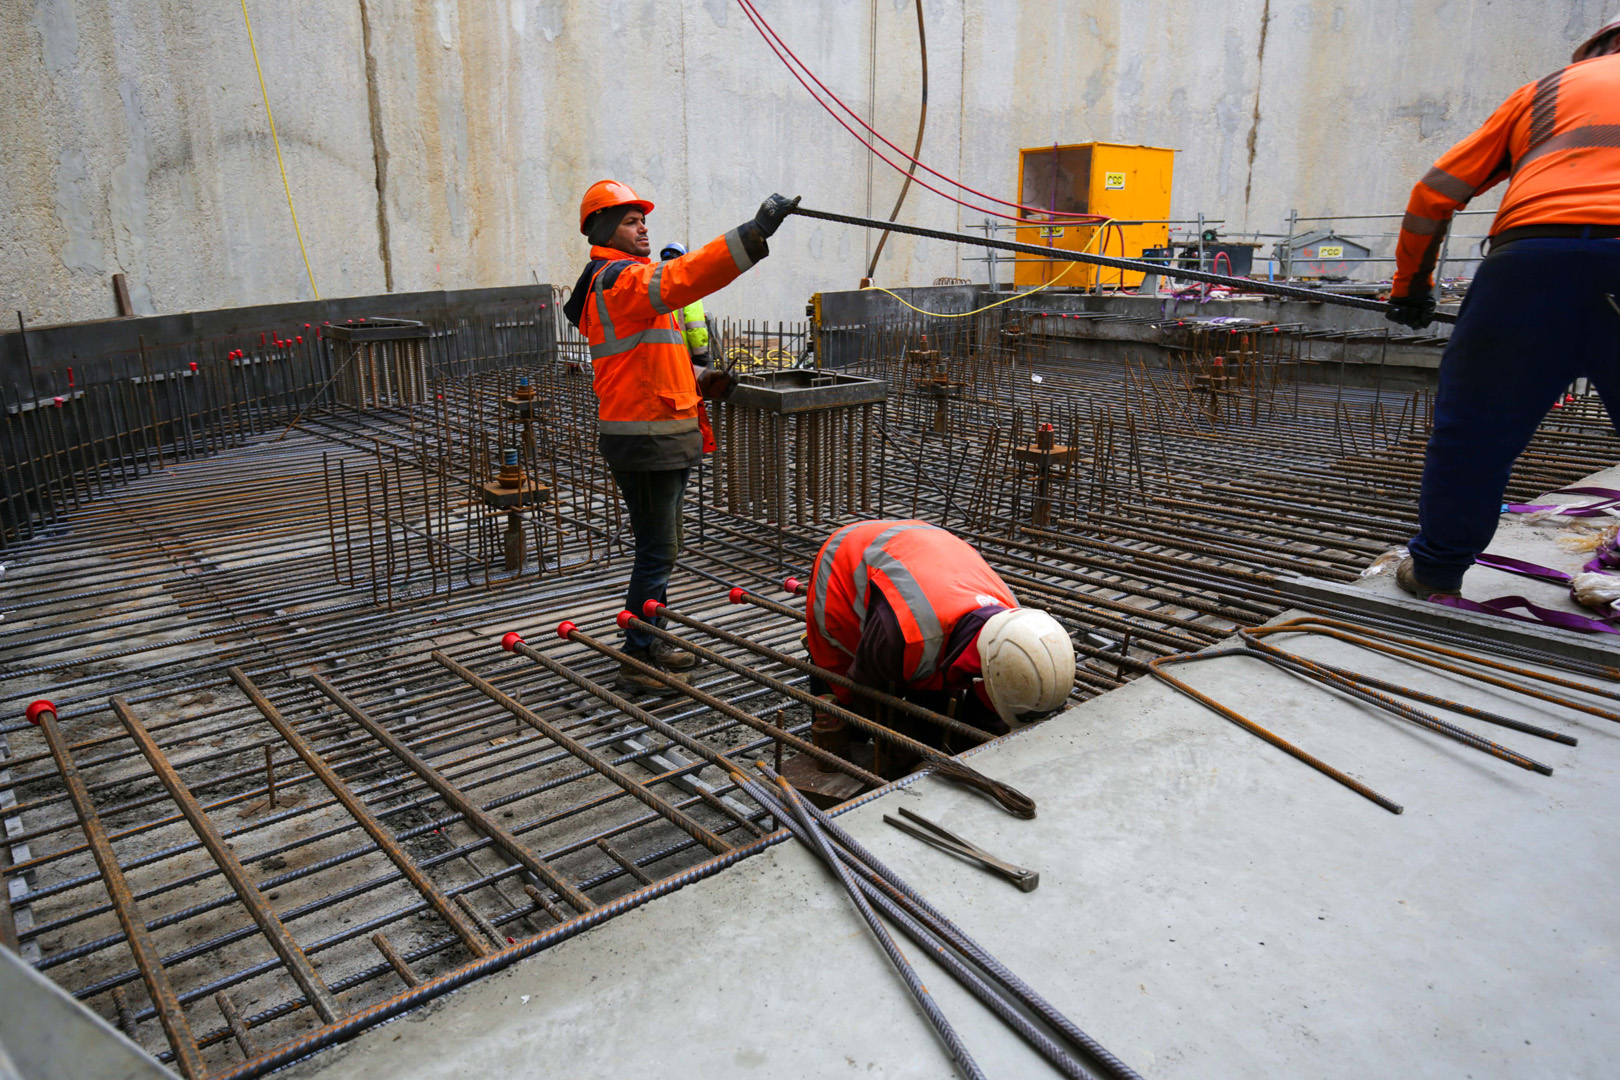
(653, 500)
(1540, 314)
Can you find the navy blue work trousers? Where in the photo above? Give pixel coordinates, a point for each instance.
(653, 499)
(1540, 314)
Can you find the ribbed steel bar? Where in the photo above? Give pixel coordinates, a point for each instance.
(379, 833)
(453, 795)
(171, 1014)
(292, 956)
(629, 784)
(1011, 799)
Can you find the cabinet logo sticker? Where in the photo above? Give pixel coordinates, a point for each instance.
(1330, 251)
(1113, 181)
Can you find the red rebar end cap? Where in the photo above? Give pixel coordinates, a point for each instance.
(194, 365)
(791, 585)
(511, 641)
(624, 619)
(299, 339)
(40, 706)
(564, 629)
(738, 595)
(649, 610)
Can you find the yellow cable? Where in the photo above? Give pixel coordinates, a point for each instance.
(283, 165)
(1015, 296)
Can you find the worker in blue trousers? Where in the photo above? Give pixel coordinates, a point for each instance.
(1543, 309)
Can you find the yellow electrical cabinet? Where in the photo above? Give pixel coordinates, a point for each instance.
(1126, 183)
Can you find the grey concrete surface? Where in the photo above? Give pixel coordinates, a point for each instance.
(445, 143)
(1208, 907)
(46, 1035)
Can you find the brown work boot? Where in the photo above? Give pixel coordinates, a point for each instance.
(632, 681)
(1406, 577)
(672, 658)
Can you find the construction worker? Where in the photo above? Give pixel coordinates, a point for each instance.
(908, 607)
(1542, 310)
(651, 422)
(694, 325)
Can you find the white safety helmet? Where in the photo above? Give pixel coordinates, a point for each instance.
(1028, 664)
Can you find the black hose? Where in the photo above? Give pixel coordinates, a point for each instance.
(1293, 292)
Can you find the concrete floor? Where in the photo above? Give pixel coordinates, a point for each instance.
(1207, 907)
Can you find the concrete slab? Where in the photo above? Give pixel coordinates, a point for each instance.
(1208, 907)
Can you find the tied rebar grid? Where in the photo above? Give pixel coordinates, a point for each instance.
(390, 822)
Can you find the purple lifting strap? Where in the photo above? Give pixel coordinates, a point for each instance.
(1528, 569)
(1566, 620)
(1609, 499)
(1548, 616)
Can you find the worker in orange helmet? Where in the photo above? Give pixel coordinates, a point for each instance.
(1542, 310)
(909, 607)
(651, 421)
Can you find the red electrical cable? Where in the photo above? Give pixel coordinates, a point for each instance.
(767, 33)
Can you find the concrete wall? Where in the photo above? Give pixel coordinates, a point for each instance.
(135, 139)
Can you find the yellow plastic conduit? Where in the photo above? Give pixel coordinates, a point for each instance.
(277, 142)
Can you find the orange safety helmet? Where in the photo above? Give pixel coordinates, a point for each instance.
(606, 193)
(1589, 48)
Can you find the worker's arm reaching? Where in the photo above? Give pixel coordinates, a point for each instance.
(1474, 165)
(643, 292)
(1556, 138)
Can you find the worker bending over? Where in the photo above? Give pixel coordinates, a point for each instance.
(694, 325)
(907, 607)
(651, 423)
(1542, 310)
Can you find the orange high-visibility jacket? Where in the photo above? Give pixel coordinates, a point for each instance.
(929, 577)
(1557, 141)
(644, 381)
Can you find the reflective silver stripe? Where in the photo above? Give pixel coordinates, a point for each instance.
(1418, 225)
(1544, 110)
(739, 253)
(653, 335)
(609, 334)
(655, 290)
(862, 577)
(823, 572)
(1450, 186)
(1585, 137)
(647, 427)
(875, 557)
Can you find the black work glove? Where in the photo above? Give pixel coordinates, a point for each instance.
(713, 383)
(773, 211)
(1416, 310)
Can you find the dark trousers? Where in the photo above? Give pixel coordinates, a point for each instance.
(1540, 314)
(653, 500)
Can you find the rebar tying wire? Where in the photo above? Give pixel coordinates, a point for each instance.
(1293, 292)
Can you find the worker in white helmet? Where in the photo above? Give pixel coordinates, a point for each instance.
(907, 605)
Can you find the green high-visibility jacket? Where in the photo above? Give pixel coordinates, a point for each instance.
(694, 328)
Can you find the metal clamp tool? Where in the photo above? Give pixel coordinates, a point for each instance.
(946, 840)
